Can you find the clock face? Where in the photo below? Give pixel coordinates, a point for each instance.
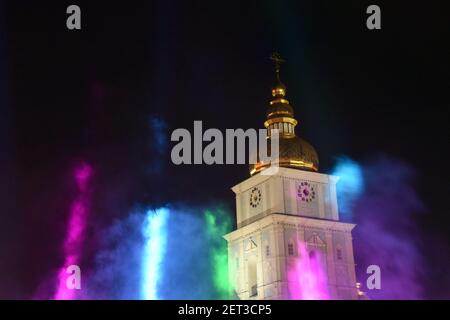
(306, 192)
(255, 197)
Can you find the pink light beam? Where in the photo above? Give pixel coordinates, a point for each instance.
(75, 230)
(307, 277)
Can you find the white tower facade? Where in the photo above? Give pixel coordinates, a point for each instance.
(274, 216)
(289, 242)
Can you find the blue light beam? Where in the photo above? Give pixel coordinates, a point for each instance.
(155, 234)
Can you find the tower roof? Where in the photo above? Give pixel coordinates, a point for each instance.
(294, 152)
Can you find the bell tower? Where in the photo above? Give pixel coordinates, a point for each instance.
(289, 242)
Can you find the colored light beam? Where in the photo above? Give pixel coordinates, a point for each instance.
(307, 279)
(217, 225)
(155, 234)
(75, 230)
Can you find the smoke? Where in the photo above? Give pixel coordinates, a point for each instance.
(151, 250)
(116, 272)
(173, 252)
(350, 186)
(385, 206)
(218, 223)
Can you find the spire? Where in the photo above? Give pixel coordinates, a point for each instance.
(279, 90)
(280, 110)
(294, 151)
(277, 61)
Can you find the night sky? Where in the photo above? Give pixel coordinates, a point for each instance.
(97, 93)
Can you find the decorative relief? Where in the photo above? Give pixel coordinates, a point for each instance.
(250, 245)
(315, 239)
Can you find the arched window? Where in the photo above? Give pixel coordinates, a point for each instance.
(339, 254)
(290, 249)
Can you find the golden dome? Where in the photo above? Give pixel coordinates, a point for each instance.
(294, 152)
